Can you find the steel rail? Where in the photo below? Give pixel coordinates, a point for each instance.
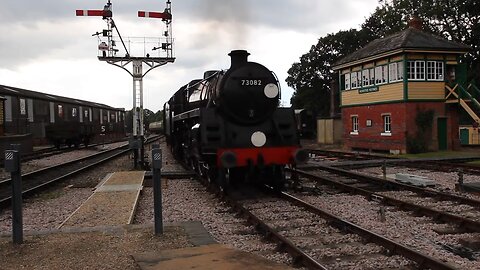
(35, 185)
(298, 255)
(380, 181)
(465, 223)
(50, 151)
(422, 260)
(62, 171)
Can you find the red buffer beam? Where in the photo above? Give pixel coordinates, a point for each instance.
(159, 15)
(101, 13)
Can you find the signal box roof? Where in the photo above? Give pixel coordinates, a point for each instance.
(410, 39)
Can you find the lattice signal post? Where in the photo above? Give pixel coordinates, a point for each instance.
(156, 52)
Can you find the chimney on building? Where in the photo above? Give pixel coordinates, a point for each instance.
(416, 23)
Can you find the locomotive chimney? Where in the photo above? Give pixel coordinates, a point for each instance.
(239, 57)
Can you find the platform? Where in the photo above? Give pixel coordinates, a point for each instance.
(113, 202)
(214, 256)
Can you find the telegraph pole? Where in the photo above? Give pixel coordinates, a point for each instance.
(156, 52)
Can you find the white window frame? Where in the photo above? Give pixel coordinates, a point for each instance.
(355, 125)
(382, 77)
(359, 79)
(365, 77)
(395, 72)
(372, 76)
(435, 71)
(354, 80)
(387, 125)
(416, 70)
(347, 81)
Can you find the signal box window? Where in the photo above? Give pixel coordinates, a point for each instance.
(387, 125)
(354, 125)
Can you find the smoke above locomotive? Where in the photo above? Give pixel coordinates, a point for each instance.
(230, 122)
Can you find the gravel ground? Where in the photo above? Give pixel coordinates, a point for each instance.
(445, 181)
(88, 250)
(100, 251)
(415, 232)
(33, 165)
(183, 200)
(92, 250)
(187, 200)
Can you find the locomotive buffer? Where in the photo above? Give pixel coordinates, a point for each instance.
(161, 53)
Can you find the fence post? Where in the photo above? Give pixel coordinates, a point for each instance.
(12, 165)
(157, 189)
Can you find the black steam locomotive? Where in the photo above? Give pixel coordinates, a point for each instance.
(228, 125)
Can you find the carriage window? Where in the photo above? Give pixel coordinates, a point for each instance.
(60, 110)
(23, 107)
(74, 112)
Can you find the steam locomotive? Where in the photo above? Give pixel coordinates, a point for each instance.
(228, 125)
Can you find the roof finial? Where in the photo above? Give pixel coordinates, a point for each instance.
(416, 23)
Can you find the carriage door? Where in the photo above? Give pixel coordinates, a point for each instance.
(442, 133)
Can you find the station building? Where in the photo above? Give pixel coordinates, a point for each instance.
(391, 84)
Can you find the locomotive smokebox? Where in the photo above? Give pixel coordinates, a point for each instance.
(239, 58)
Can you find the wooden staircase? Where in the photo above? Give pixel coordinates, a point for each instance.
(458, 94)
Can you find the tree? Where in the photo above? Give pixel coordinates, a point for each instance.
(457, 20)
(311, 77)
(148, 117)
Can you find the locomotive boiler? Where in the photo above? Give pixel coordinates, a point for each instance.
(229, 126)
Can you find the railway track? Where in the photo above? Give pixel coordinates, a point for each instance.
(352, 160)
(421, 201)
(319, 240)
(50, 151)
(36, 181)
(341, 155)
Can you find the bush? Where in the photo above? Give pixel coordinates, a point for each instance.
(416, 145)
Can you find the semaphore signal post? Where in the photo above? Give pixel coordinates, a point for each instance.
(137, 56)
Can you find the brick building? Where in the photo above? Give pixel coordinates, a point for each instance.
(388, 84)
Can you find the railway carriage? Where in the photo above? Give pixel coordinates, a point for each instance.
(41, 118)
(228, 125)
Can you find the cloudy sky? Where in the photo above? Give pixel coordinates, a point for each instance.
(44, 47)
